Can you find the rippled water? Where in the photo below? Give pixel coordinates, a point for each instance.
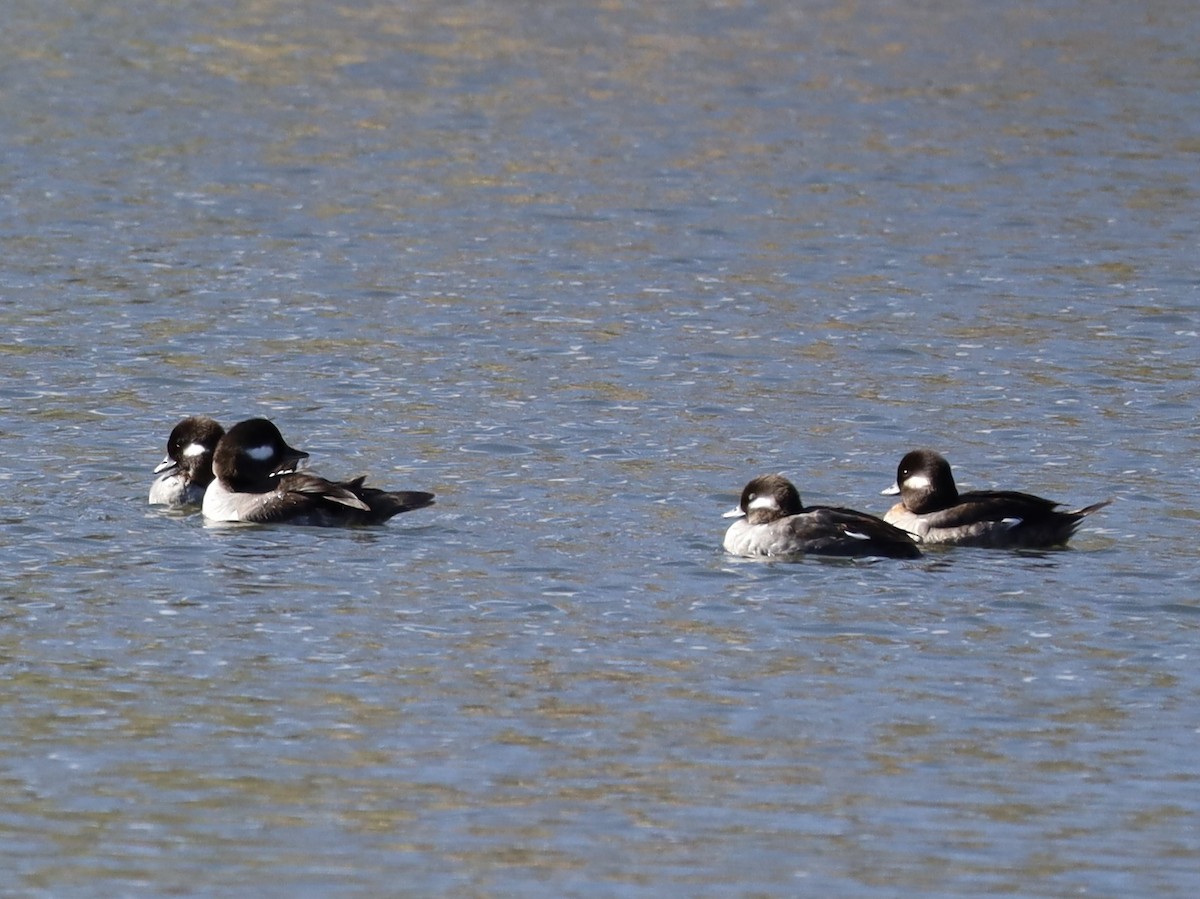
(583, 269)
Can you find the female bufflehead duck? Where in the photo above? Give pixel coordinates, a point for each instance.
(932, 508)
(186, 471)
(256, 480)
(773, 522)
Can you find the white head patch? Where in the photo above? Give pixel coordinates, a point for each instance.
(194, 449)
(763, 502)
(261, 453)
(917, 482)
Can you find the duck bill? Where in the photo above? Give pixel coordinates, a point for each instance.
(735, 512)
(165, 465)
(292, 459)
(891, 491)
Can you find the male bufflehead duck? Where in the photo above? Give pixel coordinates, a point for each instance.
(773, 522)
(932, 508)
(257, 481)
(186, 471)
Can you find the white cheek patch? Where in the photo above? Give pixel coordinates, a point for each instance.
(193, 449)
(763, 502)
(261, 453)
(917, 482)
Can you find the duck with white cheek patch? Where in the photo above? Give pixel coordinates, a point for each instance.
(773, 523)
(257, 481)
(932, 508)
(186, 471)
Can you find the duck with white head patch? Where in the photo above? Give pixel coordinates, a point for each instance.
(257, 481)
(186, 471)
(932, 508)
(773, 523)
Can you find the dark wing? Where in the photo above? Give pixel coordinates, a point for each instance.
(309, 485)
(991, 505)
(303, 498)
(847, 532)
(334, 503)
(386, 503)
(1003, 518)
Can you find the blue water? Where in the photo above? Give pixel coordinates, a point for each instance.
(583, 270)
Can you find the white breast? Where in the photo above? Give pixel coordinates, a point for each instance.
(221, 504)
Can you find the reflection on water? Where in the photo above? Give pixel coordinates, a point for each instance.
(583, 270)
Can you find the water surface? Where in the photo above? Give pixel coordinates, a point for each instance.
(584, 270)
